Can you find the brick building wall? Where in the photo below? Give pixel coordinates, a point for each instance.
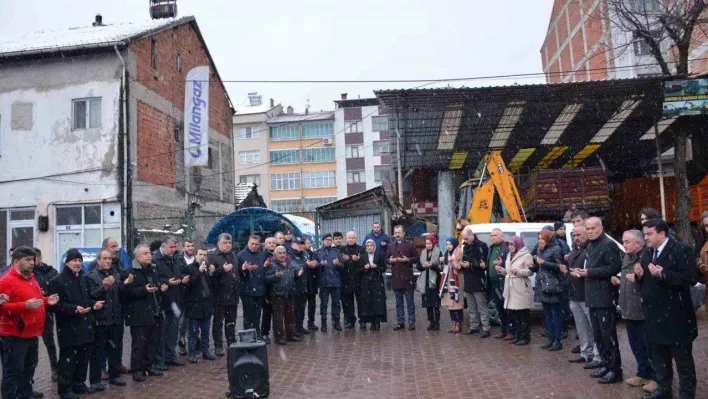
(578, 44)
(156, 146)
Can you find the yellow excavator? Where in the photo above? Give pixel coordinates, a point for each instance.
(481, 194)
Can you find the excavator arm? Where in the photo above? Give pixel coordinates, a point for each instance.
(501, 182)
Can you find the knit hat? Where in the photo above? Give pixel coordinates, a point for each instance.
(326, 236)
(549, 228)
(72, 254)
(557, 225)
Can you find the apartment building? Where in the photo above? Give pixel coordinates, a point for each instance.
(301, 161)
(250, 137)
(363, 156)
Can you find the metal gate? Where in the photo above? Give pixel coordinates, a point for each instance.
(361, 225)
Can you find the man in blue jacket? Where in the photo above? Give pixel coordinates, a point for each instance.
(251, 268)
(330, 281)
(267, 314)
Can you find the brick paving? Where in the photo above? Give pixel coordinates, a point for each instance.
(402, 364)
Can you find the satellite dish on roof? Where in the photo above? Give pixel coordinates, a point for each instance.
(163, 9)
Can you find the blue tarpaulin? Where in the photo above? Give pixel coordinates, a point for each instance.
(90, 254)
(244, 222)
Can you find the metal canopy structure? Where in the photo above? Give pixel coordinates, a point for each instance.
(597, 123)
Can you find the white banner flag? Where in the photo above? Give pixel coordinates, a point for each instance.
(196, 117)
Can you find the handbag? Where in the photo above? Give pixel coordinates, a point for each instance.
(550, 285)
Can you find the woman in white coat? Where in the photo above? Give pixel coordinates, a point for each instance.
(518, 291)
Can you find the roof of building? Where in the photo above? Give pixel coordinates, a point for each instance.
(544, 126)
(312, 116)
(248, 109)
(357, 102)
(83, 37)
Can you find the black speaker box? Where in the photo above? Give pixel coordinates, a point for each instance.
(248, 370)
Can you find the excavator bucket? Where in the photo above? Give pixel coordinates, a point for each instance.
(504, 183)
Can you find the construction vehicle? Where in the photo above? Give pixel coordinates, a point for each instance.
(494, 198)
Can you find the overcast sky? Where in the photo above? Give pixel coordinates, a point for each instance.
(325, 40)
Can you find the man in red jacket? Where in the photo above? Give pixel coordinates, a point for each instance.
(21, 324)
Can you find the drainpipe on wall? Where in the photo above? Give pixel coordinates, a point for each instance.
(127, 231)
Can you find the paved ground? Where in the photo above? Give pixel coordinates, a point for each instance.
(402, 364)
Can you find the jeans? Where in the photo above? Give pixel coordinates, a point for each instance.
(195, 327)
(145, 340)
(327, 293)
(406, 294)
(553, 314)
(48, 339)
(168, 339)
(104, 350)
(74, 361)
(497, 287)
(605, 331)
(252, 306)
(581, 314)
(19, 360)
(478, 308)
(218, 329)
(639, 342)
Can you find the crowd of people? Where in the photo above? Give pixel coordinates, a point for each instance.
(179, 301)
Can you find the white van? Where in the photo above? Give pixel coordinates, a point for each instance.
(529, 233)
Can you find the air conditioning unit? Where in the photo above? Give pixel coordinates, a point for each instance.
(327, 141)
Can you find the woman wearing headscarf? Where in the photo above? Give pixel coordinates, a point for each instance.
(452, 284)
(518, 291)
(373, 295)
(429, 281)
(549, 266)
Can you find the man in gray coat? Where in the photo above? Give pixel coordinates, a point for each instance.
(630, 303)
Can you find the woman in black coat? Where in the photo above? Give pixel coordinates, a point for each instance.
(549, 266)
(373, 294)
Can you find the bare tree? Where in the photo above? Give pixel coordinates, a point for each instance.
(666, 27)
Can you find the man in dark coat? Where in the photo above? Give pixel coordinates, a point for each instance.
(474, 264)
(199, 304)
(225, 284)
(251, 261)
(298, 258)
(630, 304)
(604, 260)
(105, 285)
(74, 326)
(142, 311)
(269, 245)
(667, 271)
(330, 281)
(281, 275)
(310, 278)
(402, 255)
(169, 266)
(352, 254)
(44, 273)
(498, 252)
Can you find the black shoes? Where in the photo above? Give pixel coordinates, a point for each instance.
(138, 376)
(209, 356)
(472, 331)
(82, 389)
(411, 327)
(436, 326)
(485, 334)
(611, 377)
(154, 372)
(337, 326)
(547, 345)
(659, 394)
(398, 327)
(522, 342)
(324, 327)
(294, 339)
(312, 327)
(175, 363)
(600, 373)
(159, 367)
(577, 360)
(118, 381)
(595, 364)
(558, 345)
(576, 349)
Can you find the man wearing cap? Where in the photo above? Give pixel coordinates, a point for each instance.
(298, 260)
(75, 326)
(23, 314)
(330, 281)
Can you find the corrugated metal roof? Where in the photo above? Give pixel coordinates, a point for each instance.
(83, 37)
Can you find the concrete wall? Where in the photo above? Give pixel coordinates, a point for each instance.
(42, 141)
